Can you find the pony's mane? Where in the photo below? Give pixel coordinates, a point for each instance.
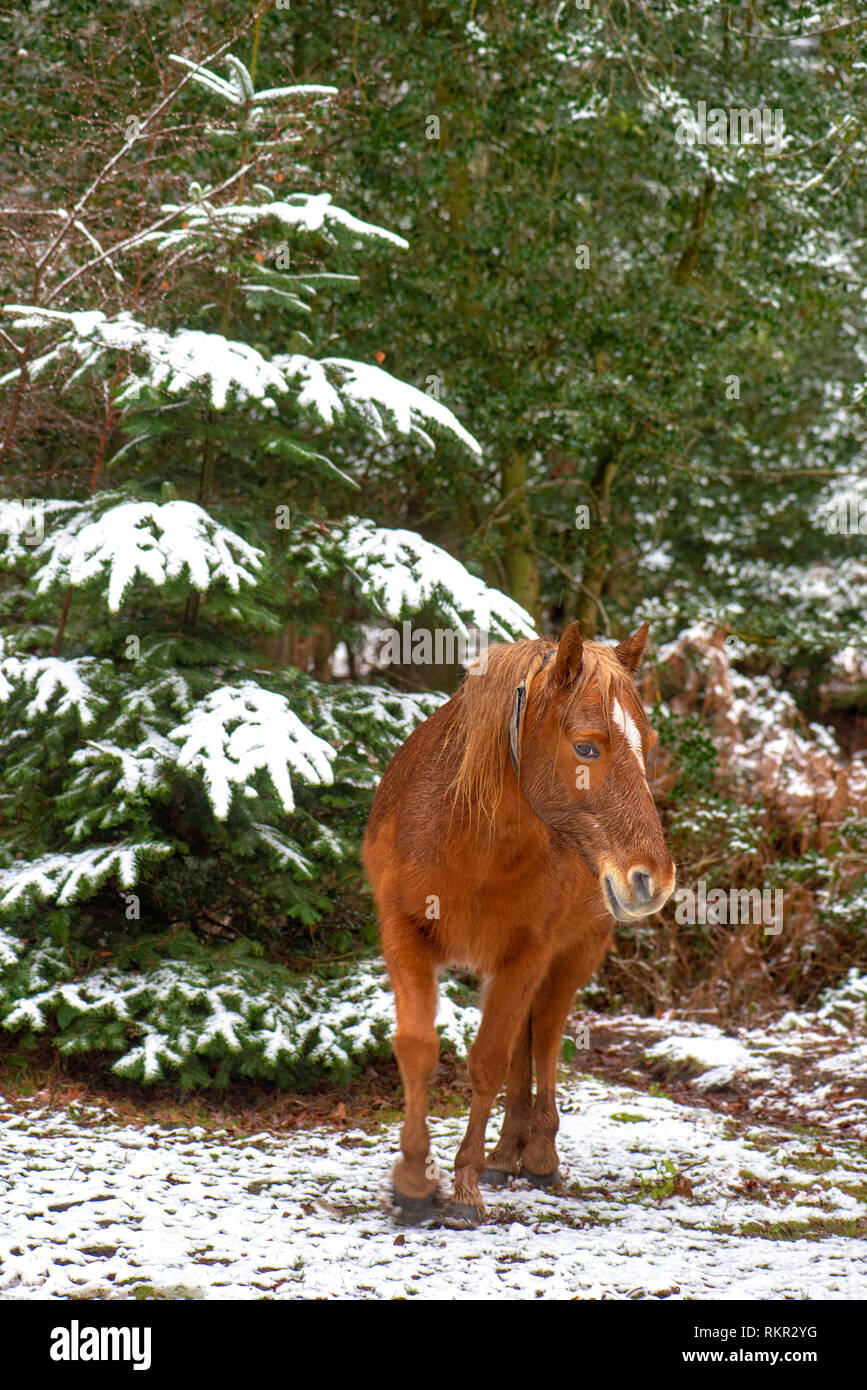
(487, 698)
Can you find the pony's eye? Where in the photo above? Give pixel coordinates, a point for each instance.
(586, 750)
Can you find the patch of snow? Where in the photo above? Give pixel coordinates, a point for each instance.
(718, 1059)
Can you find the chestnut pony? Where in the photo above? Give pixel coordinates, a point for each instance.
(508, 833)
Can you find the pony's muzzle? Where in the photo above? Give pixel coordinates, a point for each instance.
(636, 893)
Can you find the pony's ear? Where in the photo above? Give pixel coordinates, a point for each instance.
(629, 653)
(569, 654)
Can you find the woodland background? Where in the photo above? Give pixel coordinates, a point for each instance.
(590, 314)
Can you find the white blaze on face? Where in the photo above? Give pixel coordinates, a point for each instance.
(629, 729)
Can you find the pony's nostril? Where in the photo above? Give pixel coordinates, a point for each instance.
(641, 885)
(613, 900)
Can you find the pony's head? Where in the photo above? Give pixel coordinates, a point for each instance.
(567, 722)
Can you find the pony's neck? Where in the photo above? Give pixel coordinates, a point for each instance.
(514, 819)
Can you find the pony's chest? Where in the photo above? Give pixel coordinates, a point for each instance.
(523, 882)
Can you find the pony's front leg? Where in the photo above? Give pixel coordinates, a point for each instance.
(504, 1162)
(567, 973)
(506, 1005)
(412, 969)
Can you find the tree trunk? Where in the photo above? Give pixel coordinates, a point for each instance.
(519, 552)
(598, 548)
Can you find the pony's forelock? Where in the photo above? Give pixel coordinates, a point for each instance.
(487, 700)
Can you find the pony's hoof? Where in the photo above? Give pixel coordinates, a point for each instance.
(411, 1211)
(497, 1177)
(544, 1180)
(460, 1216)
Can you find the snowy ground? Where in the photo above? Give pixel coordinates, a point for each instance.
(662, 1200)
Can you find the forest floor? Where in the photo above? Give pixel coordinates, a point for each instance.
(696, 1164)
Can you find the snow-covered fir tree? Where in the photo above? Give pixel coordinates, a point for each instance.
(178, 809)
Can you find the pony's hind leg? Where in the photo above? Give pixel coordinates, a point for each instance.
(504, 1161)
(412, 968)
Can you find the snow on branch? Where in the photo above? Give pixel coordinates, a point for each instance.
(178, 362)
(22, 524)
(47, 677)
(400, 573)
(157, 541)
(114, 774)
(173, 1012)
(285, 851)
(61, 878)
(334, 385)
(303, 212)
(238, 89)
(238, 731)
(344, 709)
